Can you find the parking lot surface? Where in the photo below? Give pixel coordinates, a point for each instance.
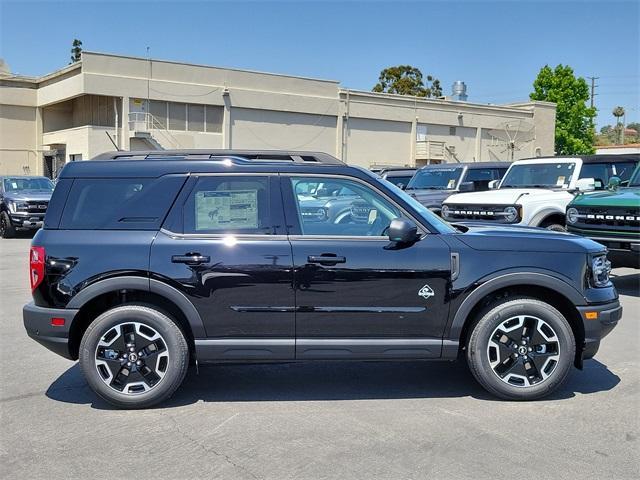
(316, 420)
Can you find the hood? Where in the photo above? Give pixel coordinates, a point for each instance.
(27, 195)
(526, 240)
(504, 196)
(624, 197)
(430, 198)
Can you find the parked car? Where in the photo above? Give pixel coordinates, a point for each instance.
(398, 176)
(23, 203)
(536, 192)
(433, 184)
(612, 218)
(210, 260)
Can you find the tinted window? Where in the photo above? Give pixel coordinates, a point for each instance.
(436, 179)
(482, 176)
(624, 170)
(228, 204)
(119, 203)
(362, 213)
(399, 180)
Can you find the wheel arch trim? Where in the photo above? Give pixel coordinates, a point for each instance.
(510, 279)
(145, 284)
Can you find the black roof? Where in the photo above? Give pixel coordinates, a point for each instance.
(207, 154)
(155, 163)
(397, 169)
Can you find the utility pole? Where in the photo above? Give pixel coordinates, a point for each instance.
(593, 88)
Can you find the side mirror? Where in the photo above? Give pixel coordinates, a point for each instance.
(493, 184)
(402, 230)
(401, 186)
(466, 187)
(614, 183)
(586, 184)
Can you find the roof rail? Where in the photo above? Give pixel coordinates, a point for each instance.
(233, 155)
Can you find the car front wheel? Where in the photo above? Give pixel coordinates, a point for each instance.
(134, 356)
(521, 349)
(7, 230)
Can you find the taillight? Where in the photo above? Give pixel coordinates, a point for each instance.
(36, 266)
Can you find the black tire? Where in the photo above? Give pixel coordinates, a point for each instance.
(485, 347)
(170, 344)
(556, 227)
(7, 230)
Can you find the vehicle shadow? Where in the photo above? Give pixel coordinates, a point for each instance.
(327, 381)
(627, 284)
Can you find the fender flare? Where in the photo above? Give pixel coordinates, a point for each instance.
(507, 279)
(147, 285)
(542, 214)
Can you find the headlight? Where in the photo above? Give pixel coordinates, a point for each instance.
(600, 268)
(17, 206)
(445, 211)
(572, 215)
(321, 214)
(511, 214)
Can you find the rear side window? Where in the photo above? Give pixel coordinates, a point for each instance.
(229, 204)
(119, 203)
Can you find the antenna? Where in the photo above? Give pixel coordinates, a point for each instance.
(509, 137)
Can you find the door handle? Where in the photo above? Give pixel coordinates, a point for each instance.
(326, 259)
(190, 258)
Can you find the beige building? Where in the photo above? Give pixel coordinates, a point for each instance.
(107, 101)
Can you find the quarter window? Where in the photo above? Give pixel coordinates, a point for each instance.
(226, 204)
(341, 207)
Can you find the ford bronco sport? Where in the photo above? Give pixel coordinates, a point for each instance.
(204, 256)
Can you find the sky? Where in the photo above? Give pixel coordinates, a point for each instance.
(496, 47)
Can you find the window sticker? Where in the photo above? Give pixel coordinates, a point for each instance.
(452, 183)
(560, 180)
(14, 185)
(231, 209)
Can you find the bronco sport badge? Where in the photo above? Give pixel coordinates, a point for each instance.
(426, 292)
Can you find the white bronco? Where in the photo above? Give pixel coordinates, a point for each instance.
(536, 192)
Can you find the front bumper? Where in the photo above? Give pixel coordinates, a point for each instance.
(624, 250)
(598, 321)
(37, 323)
(27, 220)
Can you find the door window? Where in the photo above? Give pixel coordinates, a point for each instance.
(228, 204)
(341, 207)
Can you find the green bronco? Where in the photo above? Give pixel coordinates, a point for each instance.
(611, 218)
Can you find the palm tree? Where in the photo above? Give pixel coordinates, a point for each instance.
(619, 112)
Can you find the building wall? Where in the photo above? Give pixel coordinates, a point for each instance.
(259, 110)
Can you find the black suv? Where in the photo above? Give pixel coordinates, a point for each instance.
(433, 184)
(23, 203)
(151, 260)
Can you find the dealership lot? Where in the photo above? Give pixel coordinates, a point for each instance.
(323, 420)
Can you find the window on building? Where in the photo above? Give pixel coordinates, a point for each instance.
(452, 131)
(159, 111)
(177, 116)
(75, 157)
(214, 115)
(195, 118)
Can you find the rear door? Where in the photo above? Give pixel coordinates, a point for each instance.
(224, 247)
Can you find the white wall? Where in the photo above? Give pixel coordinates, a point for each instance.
(380, 142)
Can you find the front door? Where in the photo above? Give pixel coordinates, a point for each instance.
(357, 294)
(223, 248)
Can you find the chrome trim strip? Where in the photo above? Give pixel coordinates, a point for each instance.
(221, 236)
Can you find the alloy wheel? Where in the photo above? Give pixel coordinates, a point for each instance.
(523, 351)
(132, 358)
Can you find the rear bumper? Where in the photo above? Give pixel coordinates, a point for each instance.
(37, 323)
(598, 321)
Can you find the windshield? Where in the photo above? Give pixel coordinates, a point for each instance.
(18, 184)
(539, 175)
(435, 178)
(635, 178)
(419, 209)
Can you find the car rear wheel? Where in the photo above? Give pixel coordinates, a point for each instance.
(134, 356)
(521, 349)
(7, 230)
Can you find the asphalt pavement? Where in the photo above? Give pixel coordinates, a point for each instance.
(392, 420)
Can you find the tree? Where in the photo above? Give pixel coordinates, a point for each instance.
(619, 112)
(634, 126)
(76, 51)
(575, 129)
(407, 80)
